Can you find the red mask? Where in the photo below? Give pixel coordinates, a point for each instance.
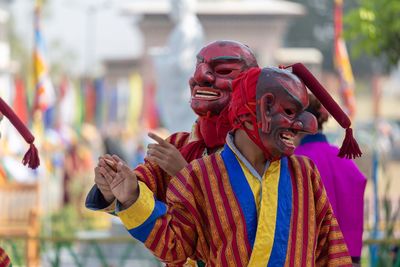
(279, 101)
(217, 65)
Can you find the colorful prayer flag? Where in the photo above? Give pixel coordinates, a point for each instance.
(100, 102)
(45, 95)
(342, 63)
(90, 100)
(20, 101)
(150, 112)
(135, 104)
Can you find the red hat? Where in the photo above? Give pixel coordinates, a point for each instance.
(349, 148)
(31, 156)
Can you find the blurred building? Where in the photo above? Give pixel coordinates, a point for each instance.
(259, 24)
(117, 70)
(311, 57)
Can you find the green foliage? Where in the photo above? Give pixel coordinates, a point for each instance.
(374, 28)
(315, 29)
(66, 222)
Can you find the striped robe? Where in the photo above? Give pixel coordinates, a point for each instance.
(212, 214)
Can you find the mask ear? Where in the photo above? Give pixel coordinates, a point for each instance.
(266, 103)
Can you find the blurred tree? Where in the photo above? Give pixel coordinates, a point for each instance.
(316, 29)
(374, 28)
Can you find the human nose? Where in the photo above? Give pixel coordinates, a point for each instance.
(203, 74)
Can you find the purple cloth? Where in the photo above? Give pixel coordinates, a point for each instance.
(344, 184)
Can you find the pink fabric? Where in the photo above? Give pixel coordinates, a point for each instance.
(345, 186)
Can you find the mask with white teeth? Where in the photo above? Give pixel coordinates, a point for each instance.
(272, 101)
(281, 102)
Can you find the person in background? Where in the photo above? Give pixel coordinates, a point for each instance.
(343, 181)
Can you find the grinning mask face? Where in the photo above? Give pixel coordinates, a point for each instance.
(281, 102)
(217, 65)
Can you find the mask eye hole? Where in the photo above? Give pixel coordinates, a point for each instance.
(224, 71)
(289, 112)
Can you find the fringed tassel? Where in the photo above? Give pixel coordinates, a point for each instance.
(349, 148)
(31, 157)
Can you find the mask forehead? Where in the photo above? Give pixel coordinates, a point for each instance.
(282, 83)
(224, 50)
(218, 64)
(281, 101)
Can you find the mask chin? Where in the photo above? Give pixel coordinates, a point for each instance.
(207, 108)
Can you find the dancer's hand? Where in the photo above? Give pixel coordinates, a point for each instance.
(166, 155)
(102, 184)
(123, 181)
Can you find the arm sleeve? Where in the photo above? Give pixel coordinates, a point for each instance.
(331, 249)
(169, 231)
(149, 173)
(95, 201)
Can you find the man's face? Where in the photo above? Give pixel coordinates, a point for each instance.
(217, 65)
(282, 99)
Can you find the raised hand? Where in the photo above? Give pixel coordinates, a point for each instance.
(102, 183)
(123, 181)
(166, 155)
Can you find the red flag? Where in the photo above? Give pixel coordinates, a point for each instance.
(20, 101)
(90, 101)
(45, 95)
(150, 116)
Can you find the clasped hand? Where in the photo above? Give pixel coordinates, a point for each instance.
(115, 179)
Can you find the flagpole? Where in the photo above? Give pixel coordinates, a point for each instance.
(36, 22)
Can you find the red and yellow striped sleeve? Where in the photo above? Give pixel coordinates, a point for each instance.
(331, 249)
(168, 231)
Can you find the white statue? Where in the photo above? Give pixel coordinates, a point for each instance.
(174, 64)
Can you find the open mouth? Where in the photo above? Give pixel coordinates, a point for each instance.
(287, 138)
(205, 93)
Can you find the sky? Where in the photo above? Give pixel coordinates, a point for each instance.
(65, 27)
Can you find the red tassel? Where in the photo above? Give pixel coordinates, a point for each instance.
(349, 148)
(31, 157)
